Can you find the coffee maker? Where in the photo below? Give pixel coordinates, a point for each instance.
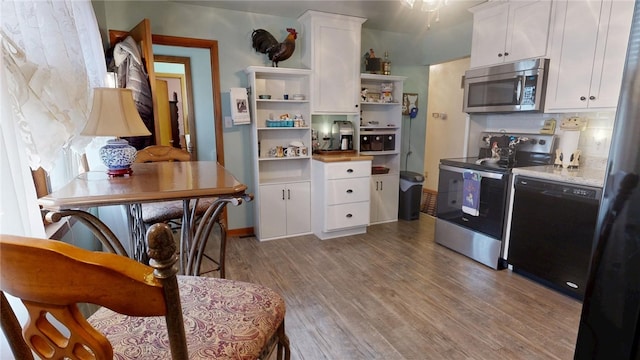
(342, 135)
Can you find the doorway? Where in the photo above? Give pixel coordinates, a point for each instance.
(447, 126)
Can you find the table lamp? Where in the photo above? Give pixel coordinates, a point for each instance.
(114, 114)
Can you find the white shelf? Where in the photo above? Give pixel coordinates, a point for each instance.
(285, 128)
(287, 158)
(282, 101)
(379, 153)
(380, 103)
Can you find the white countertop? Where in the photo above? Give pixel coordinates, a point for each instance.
(580, 176)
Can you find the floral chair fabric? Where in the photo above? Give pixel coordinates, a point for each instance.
(224, 319)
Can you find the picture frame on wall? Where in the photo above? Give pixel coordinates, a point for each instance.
(409, 101)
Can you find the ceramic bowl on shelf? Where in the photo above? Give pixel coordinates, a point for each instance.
(298, 97)
(264, 97)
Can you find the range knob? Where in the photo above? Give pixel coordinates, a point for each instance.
(533, 141)
(542, 142)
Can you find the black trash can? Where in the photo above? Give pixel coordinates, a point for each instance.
(410, 195)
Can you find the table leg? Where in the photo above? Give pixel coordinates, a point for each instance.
(186, 233)
(137, 233)
(106, 237)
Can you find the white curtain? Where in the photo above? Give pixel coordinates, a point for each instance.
(52, 57)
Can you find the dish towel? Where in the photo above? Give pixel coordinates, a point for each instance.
(239, 106)
(471, 193)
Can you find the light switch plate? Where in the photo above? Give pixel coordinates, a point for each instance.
(228, 122)
(549, 127)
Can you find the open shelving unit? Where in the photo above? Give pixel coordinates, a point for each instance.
(283, 183)
(379, 135)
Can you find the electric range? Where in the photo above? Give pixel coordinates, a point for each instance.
(473, 193)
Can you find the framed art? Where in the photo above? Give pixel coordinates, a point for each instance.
(409, 101)
(373, 97)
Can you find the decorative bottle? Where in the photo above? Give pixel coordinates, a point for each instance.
(386, 64)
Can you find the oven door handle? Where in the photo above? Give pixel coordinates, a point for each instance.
(486, 174)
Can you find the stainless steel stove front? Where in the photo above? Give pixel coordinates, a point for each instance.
(476, 236)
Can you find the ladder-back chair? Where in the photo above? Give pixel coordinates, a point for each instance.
(147, 311)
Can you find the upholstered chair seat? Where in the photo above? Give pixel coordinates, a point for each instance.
(224, 319)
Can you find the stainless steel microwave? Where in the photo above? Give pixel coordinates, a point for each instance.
(513, 87)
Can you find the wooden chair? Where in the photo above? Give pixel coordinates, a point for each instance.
(148, 311)
(170, 212)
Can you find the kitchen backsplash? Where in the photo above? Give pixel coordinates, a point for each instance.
(594, 141)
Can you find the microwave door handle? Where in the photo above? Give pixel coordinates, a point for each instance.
(519, 88)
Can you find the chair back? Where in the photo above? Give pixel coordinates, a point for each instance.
(52, 277)
(155, 153)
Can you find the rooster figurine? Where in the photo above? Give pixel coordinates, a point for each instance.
(262, 41)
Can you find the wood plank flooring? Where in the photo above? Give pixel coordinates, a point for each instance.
(394, 293)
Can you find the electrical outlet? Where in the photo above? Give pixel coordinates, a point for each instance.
(426, 174)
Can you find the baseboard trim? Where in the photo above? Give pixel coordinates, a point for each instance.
(241, 232)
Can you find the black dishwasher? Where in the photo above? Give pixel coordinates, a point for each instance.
(552, 230)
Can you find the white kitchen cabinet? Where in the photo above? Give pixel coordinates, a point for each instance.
(281, 181)
(285, 210)
(379, 135)
(385, 190)
(587, 55)
(331, 48)
(341, 198)
(509, 31)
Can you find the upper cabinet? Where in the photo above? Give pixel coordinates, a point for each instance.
(331, 48)
(587, 53)
(509, 31)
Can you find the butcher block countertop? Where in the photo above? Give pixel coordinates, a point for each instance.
(341, 157)
(580, 176)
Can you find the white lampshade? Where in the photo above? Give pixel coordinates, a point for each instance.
(115, 114)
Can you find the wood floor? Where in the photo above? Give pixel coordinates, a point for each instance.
(395, 294)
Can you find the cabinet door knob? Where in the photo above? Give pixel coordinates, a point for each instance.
(349, 171)
(289, 194)
(506, 53)
(499, 54)
(349, 216)
(582, 98)
(349, 191)
(592, 97)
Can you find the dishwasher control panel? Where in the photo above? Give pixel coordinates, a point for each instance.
(550, 187)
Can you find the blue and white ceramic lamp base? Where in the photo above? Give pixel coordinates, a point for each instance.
(118, 156)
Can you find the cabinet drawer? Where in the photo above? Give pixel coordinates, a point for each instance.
(342, 191)
(346, 216)
(348, 169)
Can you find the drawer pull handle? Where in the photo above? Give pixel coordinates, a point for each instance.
(349, 191)
(349, 171)
(282, 194)
(349, 216)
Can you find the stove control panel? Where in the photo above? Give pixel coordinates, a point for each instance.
(535, 143)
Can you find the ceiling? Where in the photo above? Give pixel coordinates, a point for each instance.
(386, 15)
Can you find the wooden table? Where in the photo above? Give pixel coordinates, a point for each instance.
(150, 182)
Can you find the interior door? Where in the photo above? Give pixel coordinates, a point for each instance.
(141, 33)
